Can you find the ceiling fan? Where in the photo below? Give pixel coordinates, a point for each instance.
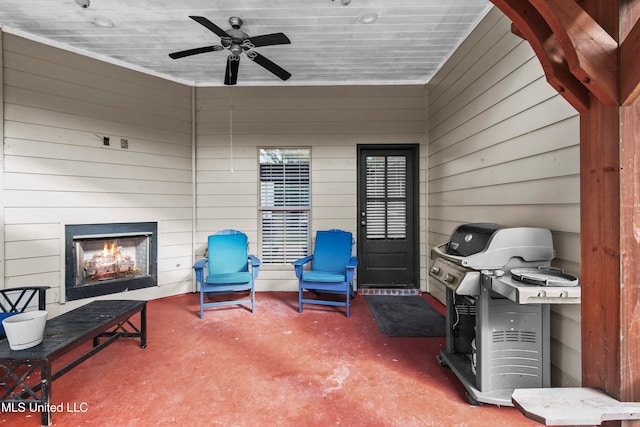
(237, 41)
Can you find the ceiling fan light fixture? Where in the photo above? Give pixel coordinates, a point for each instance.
(236, 49)
(83, 3)
(368, 17)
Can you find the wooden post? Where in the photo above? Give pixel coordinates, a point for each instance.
(630, 252)
(600, 233)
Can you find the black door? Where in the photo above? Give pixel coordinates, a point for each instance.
(387, 209)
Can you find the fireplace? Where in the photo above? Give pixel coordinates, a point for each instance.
(103, 259)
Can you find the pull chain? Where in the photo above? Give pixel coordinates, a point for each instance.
(230, 131)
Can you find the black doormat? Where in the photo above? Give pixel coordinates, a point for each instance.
(406, 316)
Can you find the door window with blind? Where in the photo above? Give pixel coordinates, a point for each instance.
(386, 190)
(285, 198)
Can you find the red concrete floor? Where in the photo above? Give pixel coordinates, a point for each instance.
(274, 367)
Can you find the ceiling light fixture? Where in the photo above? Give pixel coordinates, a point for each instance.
(102, 21)
(83, 3)
(368, 17)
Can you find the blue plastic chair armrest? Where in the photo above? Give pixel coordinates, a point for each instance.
(255, 261)
(200, 264)
(199, 269)
(255, 265)
(299, 263)
(302, 261)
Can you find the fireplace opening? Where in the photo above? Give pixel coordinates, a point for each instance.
(103, 259)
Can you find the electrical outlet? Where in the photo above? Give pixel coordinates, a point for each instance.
(124, 143)
(105, 140)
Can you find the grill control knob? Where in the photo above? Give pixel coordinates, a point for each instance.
(449, 278)
(435, 270)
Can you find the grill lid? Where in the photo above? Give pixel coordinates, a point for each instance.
(469, 239)
(488, 246)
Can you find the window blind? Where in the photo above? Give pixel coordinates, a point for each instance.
(285, 198)
(386, 204)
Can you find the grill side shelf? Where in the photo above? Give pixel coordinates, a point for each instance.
(522, 293)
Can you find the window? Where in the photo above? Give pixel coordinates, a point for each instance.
(285, 199)
(386, 207)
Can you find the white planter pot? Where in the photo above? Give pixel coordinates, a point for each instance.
(25, 330)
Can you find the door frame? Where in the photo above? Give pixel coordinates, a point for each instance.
(415, 158)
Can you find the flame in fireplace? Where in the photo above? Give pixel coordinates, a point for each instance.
(109, 252)
(109, 263)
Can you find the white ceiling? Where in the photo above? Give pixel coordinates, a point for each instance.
(329, 45)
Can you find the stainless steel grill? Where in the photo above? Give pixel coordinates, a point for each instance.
(475, 247)
(498, 323)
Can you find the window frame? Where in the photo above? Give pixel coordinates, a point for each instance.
(266, 261)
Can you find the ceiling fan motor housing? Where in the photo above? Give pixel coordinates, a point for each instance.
(237, 36)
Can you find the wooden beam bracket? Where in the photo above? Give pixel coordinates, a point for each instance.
(530, 25)
(592, 54)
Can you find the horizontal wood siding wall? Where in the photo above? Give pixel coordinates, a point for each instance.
(504, 147)
(331, 121)
(58, 107)
(2, 260)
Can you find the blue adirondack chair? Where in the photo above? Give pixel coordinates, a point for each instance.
(332, 270)
(231, 269)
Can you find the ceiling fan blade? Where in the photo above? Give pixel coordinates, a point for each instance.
(210, 25)
(231, 73)
(189, 52)
(268, 64)
(269, 39)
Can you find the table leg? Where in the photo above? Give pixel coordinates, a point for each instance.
(45, 381)
(21, 389)
(143, 327)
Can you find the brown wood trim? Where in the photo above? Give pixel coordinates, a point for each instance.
(530, 25)
(630, 66)
(591, 52)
